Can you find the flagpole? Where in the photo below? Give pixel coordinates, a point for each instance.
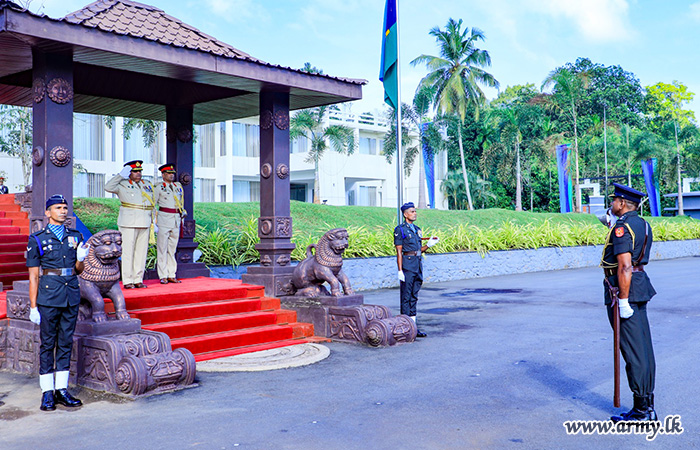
(399, 157)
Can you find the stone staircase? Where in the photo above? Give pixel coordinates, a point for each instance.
(14, 232)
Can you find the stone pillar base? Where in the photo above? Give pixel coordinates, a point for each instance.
(276, 280)
(347, 319)
(184, 270)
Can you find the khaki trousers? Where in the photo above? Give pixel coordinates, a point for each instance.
(134, 252)
(166, 242)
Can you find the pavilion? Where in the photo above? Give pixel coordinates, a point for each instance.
(122, 58)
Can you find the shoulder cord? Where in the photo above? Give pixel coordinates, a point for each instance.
(644, 246)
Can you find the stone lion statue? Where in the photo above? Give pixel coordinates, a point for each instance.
(100, 278)
(325, 266)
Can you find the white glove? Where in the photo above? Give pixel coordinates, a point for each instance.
(402, 277)
(34, 315)
(82, 251)
(155, 228)
(625, 310)
(432, 241)
(124, 173)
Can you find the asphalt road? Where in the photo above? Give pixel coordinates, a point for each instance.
(506, 362)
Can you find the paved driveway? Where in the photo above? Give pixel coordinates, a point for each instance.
(507, 361)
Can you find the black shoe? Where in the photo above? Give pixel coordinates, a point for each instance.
(129, 286)
(163, 281)
(65, 399)
(140, 286)
(643, 411)
(47, 403)
(421, 334)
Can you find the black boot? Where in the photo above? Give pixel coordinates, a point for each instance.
(652, 411)
(65, 399)
(641, 411)
(47, 403)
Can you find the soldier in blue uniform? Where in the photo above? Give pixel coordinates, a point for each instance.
(409, 249)
(55, 257)
(626, 252)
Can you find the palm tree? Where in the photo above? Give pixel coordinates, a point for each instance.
(569, 88)
(310, 123)
(455, 76)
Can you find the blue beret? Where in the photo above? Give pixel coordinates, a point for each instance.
(628, 193)
(406, 206)
(55, 200)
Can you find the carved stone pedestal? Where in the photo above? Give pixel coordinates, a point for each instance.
(347, 319)
(132, 364)
(115, 356)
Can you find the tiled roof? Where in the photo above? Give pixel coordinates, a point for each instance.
(148, 22)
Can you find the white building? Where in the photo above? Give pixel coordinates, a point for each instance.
(227, 167)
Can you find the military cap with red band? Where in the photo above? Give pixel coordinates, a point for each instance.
(135, 165)
(167, 168)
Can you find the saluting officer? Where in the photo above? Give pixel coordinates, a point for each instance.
(407, 239)
(170, 199)
(135, 216)
(626, 252)
(54, 257)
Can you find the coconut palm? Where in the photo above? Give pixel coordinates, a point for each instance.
(311, 123)
(455, 76)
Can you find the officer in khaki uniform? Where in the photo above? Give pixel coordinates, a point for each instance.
(170, 199)
(135, 216)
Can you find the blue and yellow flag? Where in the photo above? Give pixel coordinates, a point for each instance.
(390, 57)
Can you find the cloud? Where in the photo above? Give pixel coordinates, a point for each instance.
(695, 11)
(599, 21)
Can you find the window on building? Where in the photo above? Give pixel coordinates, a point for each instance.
(246, 191)
(370, 146)
(204, 189)
(238, 139)
(222, 192)
(441, 165)
(297, 192)
(89, 185)
(204, 157)
(222, 139)
(252, 135)
(368, 196)
(134, 147)
(300, 145)
(88, 137)
(351, 197)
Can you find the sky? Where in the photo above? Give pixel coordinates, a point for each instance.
(527, 39)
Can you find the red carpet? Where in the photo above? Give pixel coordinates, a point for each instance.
(214, 317)
(14, 232)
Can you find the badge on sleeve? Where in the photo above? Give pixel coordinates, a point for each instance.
(619, 232)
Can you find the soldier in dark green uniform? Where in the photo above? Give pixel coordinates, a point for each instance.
(409, 248)
(625, 254)
(55, 257)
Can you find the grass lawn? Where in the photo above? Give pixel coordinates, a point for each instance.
(101, 213)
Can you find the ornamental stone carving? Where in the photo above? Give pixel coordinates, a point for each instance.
(282, 120)
(185, 178)
(60, 91)
(283, 227)
(266, 120)
(282, 171)
(184, 135)
(38, 155)
(39, 90)
(283, 260)
(265, 260)
(266, 170)
(60, 156)
(188, 228)
(265, 226)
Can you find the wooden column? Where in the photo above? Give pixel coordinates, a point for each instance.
(52, 92)
(275, 222)
(180, 151)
